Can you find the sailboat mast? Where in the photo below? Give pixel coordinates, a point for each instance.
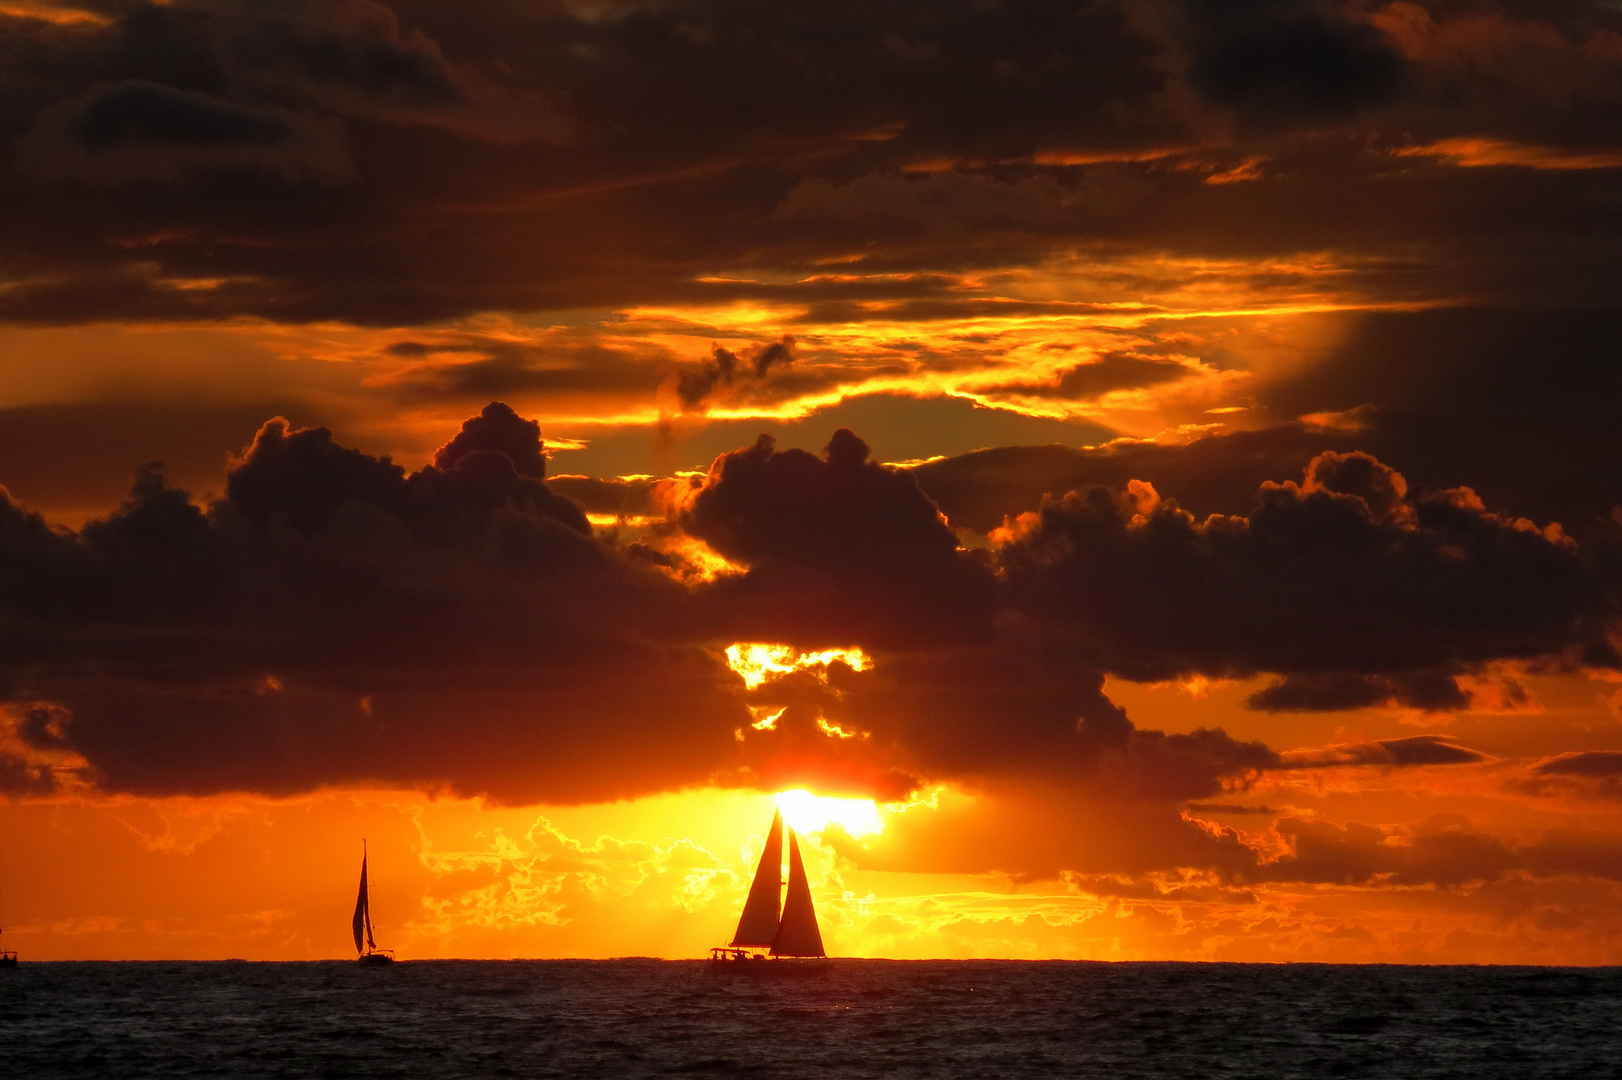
(370, 944)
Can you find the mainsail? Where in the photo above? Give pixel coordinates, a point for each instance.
(758, 924)
(363, 911)
(797, 934)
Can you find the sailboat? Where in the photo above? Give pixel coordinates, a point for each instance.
(369, 952)
(766, 931)
(8, 959)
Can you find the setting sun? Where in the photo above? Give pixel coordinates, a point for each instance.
(806, 813)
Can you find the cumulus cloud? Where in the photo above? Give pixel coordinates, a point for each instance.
(838, 548)
(1342, 574)
(337, 618)
(1211, 474)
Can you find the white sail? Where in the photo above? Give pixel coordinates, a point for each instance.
(797, 934)
(758, 924)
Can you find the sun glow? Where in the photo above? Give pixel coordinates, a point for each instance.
(806, 813)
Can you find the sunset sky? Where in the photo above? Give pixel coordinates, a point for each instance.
(1144, 475)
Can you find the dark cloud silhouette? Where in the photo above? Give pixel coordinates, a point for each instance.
(1591, 763)
(1289, 59)
(1212, 474)
(632, 498)
(500, 430)
(1315, 582)
(1481, 396)
(1443, 851)
(334, 618)
(137, 130)
(1332, 692)
(1113, 371)
(1588, 774)
(1412, 750)
(21, 778)
(76, 460)
(409, 162)
(724, 367)
(838, 548)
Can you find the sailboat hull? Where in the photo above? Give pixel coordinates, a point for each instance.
(374, 959)
(780, 967)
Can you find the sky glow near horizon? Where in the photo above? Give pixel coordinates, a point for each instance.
(1242, 583)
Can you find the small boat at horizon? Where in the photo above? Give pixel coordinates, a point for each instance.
(8, 959)
(362, 924)
(774, 927)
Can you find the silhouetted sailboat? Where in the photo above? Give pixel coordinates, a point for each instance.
(8, 959)
(770, 926)
(369, 952)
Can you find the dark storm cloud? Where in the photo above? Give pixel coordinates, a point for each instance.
(335, 619)
(1212, 474)
(469, 366)
(414, 162)
(1515, 403)
(725, 368)
(1591, 774)
(1333, 692)
(1341, 574)
(1412, 750)
(839, 547)
(633, 498)
(71, 459)
(1474, 396)
(1289, 59)
(1443, 852)
(137, 130)
(1591, 763)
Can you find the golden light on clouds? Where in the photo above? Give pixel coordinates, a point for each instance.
(758, 663)
(1484, 153)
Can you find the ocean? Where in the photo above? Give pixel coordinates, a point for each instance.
(857, 1018)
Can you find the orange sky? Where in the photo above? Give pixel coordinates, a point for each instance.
(245, 876)
(1187, 527)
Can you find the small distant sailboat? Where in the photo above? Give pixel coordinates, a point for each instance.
(766, 931)
(8, 959)
(364, 945)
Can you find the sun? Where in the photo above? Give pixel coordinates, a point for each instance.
(806, 813)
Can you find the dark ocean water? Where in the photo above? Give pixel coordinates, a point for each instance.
(857, 1018)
